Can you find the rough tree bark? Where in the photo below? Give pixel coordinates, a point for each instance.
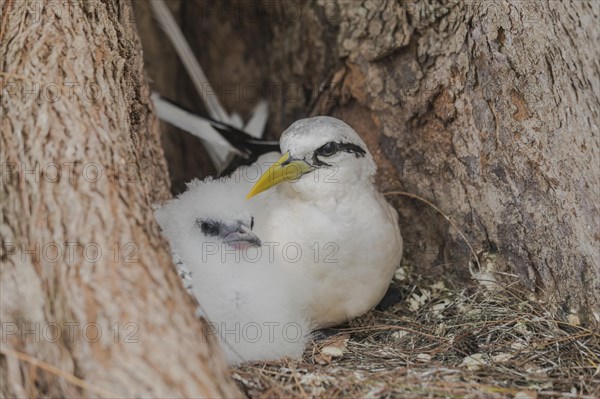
(489, 109)
(86, 282)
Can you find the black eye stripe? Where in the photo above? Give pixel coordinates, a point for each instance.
(332, 148)
(352, 149)
(209, 227)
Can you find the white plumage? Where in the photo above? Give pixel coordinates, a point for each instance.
(248, 303)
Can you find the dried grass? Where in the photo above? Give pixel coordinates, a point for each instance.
(442, 343)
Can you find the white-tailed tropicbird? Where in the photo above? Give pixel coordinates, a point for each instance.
(327, 205)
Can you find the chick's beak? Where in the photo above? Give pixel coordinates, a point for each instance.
(240, 236)
(285, 169)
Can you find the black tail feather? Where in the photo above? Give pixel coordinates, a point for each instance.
(252, 147)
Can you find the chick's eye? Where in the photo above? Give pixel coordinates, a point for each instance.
(208, 227)
(328, 149)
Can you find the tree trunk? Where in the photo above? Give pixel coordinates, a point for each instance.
(86, 282)
(488, 109)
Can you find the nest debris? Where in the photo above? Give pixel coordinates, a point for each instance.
(441, 343)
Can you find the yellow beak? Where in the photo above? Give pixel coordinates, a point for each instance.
(282, 170)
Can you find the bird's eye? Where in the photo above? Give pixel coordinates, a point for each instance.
(251, 222)
(208, 227)
(328, 149)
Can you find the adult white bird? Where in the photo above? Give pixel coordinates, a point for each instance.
(330, 226)
(250, 306)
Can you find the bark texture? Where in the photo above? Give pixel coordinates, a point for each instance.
(488, 109)
(86, 282)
